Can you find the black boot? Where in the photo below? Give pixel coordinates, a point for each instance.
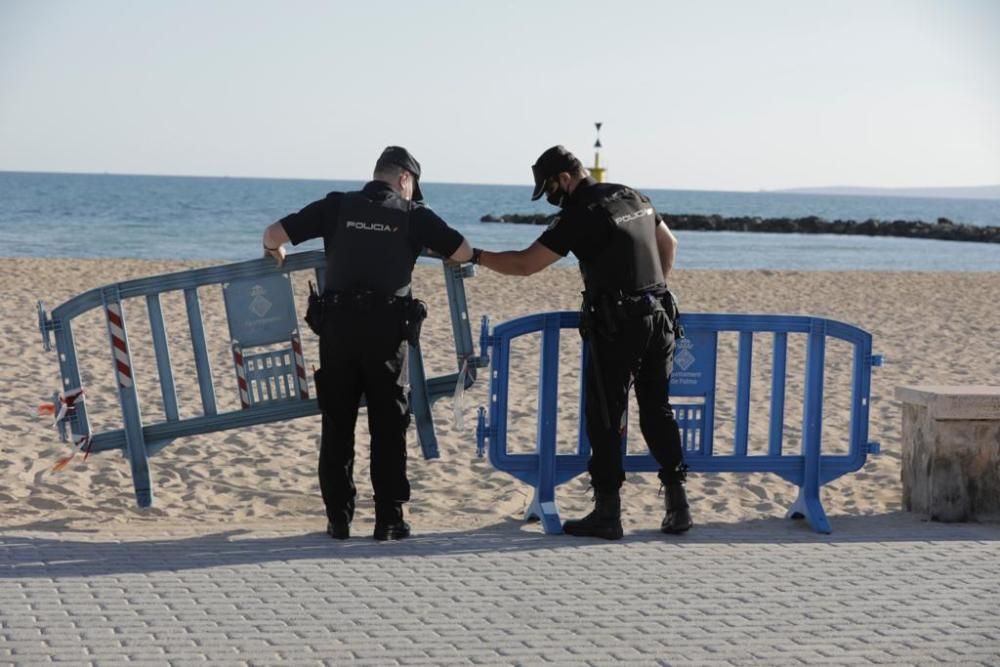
(389, 524)
(339, 530)
(338, 522)
(678, 517)
(605, 521)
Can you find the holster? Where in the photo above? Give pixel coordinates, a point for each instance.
(414, 314)
(319, 382)
(673, 313)
(597, 317)
(314, 310)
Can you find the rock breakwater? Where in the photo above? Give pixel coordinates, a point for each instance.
(943, 229)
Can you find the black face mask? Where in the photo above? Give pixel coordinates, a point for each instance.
(557, 197)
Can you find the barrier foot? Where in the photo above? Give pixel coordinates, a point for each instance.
(808, 506)
(546, 512)
(144, 498)
(420, 405)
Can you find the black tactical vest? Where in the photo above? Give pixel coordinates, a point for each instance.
(370, 249)
(631, 261)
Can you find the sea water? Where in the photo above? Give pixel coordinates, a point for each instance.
(172, 217)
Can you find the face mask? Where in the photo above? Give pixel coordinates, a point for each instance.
(557, 197)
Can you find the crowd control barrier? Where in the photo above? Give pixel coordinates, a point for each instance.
(272, 384)
(693, 397)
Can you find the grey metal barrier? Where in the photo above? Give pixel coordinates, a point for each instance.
(272, 384)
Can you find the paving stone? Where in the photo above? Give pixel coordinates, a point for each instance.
(880, 590)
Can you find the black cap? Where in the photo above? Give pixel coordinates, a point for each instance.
(400, 157)
(553, 161)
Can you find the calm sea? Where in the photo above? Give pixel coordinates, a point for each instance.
(162, 217)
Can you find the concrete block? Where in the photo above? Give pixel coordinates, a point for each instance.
(951, 452)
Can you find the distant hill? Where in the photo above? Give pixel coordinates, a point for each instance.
(971, 192)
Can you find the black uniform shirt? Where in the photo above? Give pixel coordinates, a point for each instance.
(575, 229)
(319, 219)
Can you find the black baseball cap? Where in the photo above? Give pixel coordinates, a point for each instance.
(400, 157)
(553, 161)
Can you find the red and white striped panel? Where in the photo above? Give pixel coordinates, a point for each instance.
(116, 329)
(241, 376)
(300, 367)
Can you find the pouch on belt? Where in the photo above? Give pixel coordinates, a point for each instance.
(319, 382)
(314, 311)
(414, 314)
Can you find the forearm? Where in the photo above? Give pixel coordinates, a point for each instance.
(508, 262)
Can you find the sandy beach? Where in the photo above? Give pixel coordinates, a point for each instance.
(932, 328)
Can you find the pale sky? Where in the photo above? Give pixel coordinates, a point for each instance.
(703, 95)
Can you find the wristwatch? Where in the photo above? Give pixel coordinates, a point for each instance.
(477, 254)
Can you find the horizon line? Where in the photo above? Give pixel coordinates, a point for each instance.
(812, 189)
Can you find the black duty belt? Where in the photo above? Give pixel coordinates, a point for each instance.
(364, 300)
(640, 305)
(608, 305)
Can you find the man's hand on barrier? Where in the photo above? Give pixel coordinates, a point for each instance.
(278, 254)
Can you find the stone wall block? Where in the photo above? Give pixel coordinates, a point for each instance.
(950, 458)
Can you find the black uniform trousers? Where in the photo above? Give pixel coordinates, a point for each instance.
(363, 353)
(641, 350)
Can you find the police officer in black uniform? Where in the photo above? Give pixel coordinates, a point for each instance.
(625, 251)
(372, 238)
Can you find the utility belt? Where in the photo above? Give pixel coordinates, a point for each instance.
(605, 312)
(364, 301)
(411, 311)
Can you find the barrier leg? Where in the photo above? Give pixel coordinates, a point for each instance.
(121, 357)
(420, 404)
(79, 424)
(808, 504)
(543, 505)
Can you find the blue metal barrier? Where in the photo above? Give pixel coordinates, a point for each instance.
(272, 384)
(693, 385)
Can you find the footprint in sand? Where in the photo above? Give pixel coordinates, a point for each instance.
(45, 504)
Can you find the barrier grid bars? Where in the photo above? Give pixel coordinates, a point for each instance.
(460, 325)
(806, 470)
(776, 427)
(60, 324)
(162, 351)
(128, 397)
(272, 376)
(743, 377)
(158, 436)
(202, 364)
(299, 363)
(241, 375)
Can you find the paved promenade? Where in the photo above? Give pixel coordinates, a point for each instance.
(880, 590)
